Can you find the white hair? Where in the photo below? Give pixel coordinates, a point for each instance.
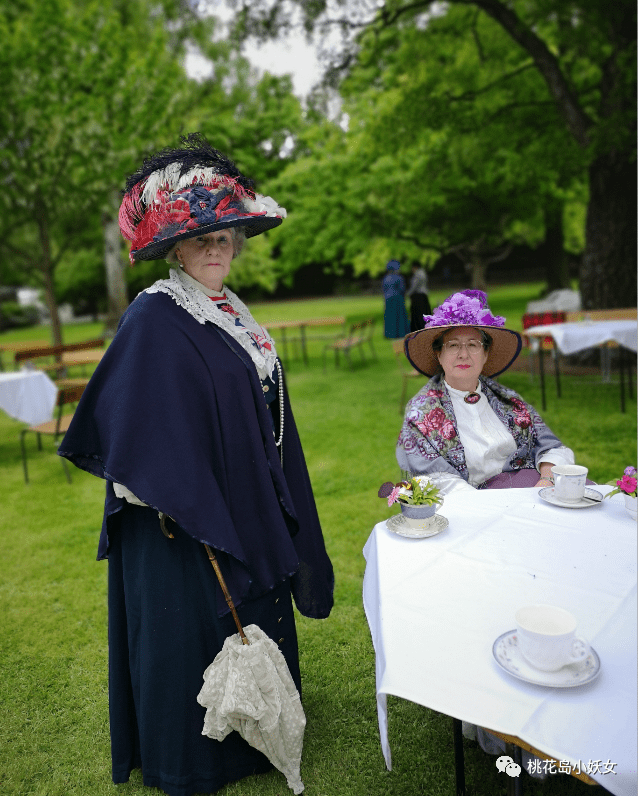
(238, 235)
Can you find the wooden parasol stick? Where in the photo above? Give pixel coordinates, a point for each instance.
(227, 596)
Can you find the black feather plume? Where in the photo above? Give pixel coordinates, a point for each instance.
(196, 152)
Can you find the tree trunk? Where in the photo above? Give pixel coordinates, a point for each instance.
(608, 271)
(552, 249)
(115, 270)
(478, 269)
(46, 267)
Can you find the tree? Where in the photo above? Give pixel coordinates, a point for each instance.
(85, 88)
(469, 171)
(584, 51)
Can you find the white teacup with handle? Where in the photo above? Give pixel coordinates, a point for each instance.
(569, 482)
(546, 637)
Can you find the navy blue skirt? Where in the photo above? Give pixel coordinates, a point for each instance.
(396, 318)
(163, 633)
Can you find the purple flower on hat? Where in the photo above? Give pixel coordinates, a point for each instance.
(466, 308)
(477, 294)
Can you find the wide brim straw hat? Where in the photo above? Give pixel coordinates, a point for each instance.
(468, 308)
(183, 193)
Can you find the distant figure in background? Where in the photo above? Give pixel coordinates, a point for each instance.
(396, 318)
(419, 301)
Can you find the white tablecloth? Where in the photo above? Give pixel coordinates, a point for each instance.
(435, 606)
(28, 395)
(573, 337)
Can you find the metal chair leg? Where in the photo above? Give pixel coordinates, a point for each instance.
(541, 373)
(459, 762)
(621, 375)
(66, 469)
(515, 784)
(24, 455)
(557, 369)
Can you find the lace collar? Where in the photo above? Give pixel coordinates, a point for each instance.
(180, 288)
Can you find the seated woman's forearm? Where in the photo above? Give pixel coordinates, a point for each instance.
(545, 470)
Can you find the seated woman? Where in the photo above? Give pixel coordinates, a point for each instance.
(465, 430)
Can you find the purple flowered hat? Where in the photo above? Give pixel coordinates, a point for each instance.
(463, 309)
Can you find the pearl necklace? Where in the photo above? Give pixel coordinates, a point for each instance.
(279, 442)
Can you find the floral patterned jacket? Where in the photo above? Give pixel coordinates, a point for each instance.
(429, 439)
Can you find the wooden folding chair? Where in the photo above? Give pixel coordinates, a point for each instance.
(407, 372)
(69, 394)
(369, 325)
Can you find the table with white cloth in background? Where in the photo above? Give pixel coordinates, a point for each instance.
(435, 606)
(570, 338)
(28, 395)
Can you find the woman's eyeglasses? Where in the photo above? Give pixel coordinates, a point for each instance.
(472, 346)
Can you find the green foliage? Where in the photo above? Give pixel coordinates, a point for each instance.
(80, 104)
(441, 151)
(14, 315)
(422, 495)
(80, 279)
(470, 124)
(89, 89)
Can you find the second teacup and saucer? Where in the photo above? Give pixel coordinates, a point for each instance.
(544, 650)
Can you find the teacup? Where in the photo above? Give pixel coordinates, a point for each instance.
(546, 637)
(569, 482)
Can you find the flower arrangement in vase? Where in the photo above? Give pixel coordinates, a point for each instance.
(418, 498)
(627, 486)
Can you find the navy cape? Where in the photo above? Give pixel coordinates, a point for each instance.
(175, 412)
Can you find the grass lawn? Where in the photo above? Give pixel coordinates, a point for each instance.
(54, 736)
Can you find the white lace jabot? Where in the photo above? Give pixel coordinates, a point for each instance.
(195, 299)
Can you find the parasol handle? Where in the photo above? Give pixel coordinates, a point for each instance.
(227, 596)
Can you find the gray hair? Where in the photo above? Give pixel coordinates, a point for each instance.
(238, 235)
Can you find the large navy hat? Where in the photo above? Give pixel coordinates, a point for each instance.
(182, 193)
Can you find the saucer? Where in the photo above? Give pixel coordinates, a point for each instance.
(547, 494)
(509, 657)
(431, 526)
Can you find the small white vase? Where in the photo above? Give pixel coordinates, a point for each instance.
(631, 504)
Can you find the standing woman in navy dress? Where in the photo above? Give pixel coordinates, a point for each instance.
(187, 419)
(395, 316)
